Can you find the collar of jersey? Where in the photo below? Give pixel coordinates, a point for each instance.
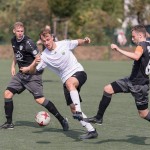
(21, 39)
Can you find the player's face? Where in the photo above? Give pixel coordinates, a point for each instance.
(136, 37)
(19, 32)
(48, 41)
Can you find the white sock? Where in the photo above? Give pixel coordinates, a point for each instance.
(88, 126)
(76, 100)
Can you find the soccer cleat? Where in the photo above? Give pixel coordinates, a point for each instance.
(78, 115)
(65, 124)
(7, 126)
(89, 135)
(94, 120)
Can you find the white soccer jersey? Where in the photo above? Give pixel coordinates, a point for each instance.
(61, 60)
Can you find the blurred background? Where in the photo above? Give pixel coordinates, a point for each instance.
(104, 21)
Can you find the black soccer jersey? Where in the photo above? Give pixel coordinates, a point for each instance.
(24, 51)
(138, 75)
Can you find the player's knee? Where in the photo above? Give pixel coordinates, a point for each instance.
(40, 100)
(71, 84)
(8, 94)
(143, 113)
(108, 89)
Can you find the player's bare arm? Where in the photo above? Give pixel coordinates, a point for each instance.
(13, 69)
(86, 40)
(133, 55)
(32, 68)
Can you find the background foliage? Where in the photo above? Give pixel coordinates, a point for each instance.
(68, 18)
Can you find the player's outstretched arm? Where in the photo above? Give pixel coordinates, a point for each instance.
(133, 55)
(86, 40)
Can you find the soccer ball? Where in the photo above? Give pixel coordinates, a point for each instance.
(42, 118)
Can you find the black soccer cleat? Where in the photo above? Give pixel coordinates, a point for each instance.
(7, 126)
(78, 115)
(94, 120)
(65, 124)
(89, 135)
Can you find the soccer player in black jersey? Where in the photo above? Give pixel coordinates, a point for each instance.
(25, 51)
(137, 83)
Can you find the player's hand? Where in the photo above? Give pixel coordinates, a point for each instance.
(25, 69)
(87, 40)
(114, 47)
(37, 60)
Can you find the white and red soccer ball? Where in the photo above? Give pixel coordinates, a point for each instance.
(42, 118)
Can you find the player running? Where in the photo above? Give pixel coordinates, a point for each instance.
(59, 58)
(137, 83)
(25, 51)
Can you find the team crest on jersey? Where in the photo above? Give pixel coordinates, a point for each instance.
(35, 52)
(63, 53)
(20, 47)
(148, 48)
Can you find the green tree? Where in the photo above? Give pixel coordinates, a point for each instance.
(62, 8)
(93, 16)
(141, 9)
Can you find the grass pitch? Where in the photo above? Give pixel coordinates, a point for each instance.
(122, 128)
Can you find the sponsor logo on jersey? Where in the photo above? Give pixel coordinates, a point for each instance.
(19, 56)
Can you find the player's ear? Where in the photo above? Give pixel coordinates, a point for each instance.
(14, 30)
(53, 37)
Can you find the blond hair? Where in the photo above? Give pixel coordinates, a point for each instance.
(18, 24)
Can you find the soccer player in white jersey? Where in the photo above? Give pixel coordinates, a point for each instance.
(59, 58)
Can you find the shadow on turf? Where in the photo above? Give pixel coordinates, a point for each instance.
(131, 139)
(74, 134)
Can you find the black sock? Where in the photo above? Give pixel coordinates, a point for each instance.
(147, 117)
(103, 105)
(8, 109)
(52, 109)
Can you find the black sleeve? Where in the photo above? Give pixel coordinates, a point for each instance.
(31, 47)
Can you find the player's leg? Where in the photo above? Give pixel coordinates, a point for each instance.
(14, 87)
(91, 131)
(144, 111)
(36, 88)
(140, 93)
(73, 98)
(71, 91)
(115, 87)
(53, 110)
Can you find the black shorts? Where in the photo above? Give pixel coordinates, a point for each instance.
(81, 77)
(20, 82)
(139, 92)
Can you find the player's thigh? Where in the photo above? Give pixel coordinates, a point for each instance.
(78, 78)
(121, 86)
(36, 88)
(140, 94)
(14, 86)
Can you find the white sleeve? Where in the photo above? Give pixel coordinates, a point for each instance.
(41, 65)
(72, 44)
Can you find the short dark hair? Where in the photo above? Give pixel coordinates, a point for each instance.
(139, 28)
